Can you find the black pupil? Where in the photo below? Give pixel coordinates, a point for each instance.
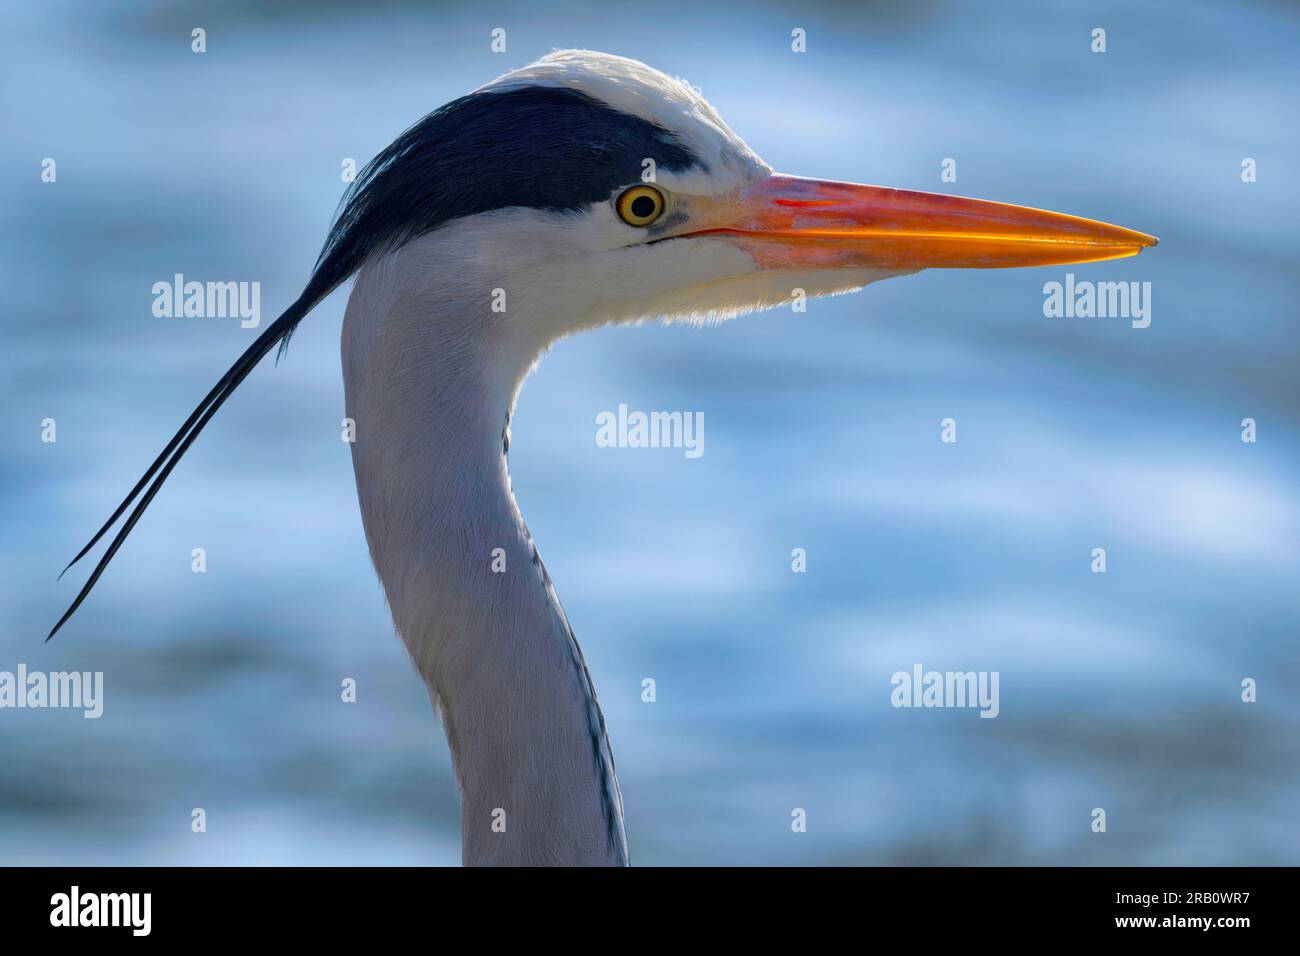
(643, 207)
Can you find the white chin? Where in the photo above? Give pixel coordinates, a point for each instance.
(731, 296)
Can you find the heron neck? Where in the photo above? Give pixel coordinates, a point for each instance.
(430, 397)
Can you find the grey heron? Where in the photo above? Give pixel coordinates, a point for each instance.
(590, 189)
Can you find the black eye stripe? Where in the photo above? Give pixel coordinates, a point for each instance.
(537, 147)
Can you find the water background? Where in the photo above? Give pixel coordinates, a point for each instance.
(1118, 691)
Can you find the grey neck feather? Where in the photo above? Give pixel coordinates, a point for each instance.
(430, 381)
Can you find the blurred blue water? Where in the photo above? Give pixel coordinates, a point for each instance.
(1119, 691)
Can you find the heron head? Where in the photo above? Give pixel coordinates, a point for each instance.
(622, 194)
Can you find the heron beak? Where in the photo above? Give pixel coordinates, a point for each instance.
(789, 222)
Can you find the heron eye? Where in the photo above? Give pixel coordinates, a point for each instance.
(640, 205)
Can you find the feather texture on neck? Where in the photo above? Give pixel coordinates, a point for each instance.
(430, 375)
